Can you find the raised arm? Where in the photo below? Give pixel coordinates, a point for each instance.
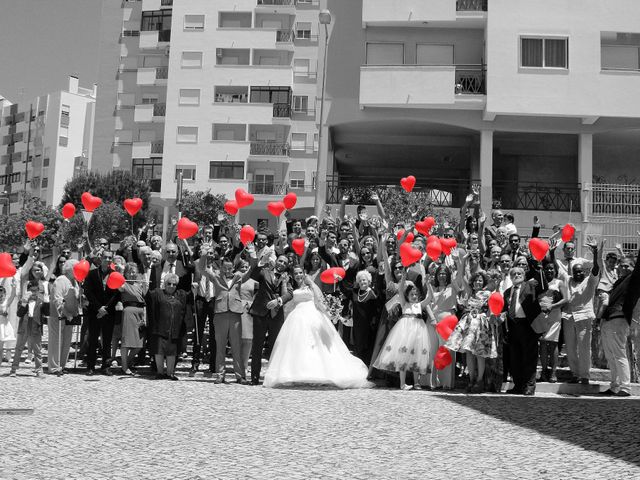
(379, 207)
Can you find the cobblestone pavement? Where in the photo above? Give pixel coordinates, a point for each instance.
(137, 428)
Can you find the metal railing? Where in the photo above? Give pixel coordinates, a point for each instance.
(514, 195)
(268, 188)
(162, 73)
(159, 109)
(281, 110)
(470, 79)
(276, 2)
(166, 3)
(620, 200)
(157, 146)
(269, 148)
(285, 36)
(471, 5)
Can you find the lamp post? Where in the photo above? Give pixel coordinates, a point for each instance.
(321, 166)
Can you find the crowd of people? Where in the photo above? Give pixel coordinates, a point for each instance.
(268, 298)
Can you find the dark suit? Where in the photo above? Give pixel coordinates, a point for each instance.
(98, 295)
(522, 340)
(270, 287)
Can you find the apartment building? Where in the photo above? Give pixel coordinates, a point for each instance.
(538, 102)
(45, 142)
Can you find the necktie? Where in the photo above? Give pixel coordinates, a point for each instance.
(172, 268)
(512, 303)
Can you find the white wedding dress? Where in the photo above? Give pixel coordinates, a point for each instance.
(309, 351)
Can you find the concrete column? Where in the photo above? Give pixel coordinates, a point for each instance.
(325, 167)
(585, 170)
(165, 222)
(486, 171)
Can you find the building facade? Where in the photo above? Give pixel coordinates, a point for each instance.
(538, 102)
(44, 143)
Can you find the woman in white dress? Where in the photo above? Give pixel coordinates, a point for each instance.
(308, 349)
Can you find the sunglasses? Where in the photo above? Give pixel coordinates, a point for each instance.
(172, 251)
(169, 284)
(505, 261)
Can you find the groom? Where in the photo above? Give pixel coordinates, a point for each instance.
(274, 291)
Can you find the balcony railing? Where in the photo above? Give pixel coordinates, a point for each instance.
(514, 195)
(166, 3)
(269, 148)
(285, 36)
(470, 79)
(162, 73)
(276, 2)
(268, 188)
(157, 146)
(281, 110)
(471, 5)
(614, 200)
(159, 109)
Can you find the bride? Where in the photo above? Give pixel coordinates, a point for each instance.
(308, 349)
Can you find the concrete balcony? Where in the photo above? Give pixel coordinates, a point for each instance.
(419, 86)
(141, 150)
(143, 113)
(246, 38)
(228, 112)
(148, 5)
(417, 12)
(247, 74)
(270, 149)
(276, 6)
(230, 149)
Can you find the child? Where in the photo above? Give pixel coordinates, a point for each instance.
(7, 333)
(407, 346)
(30, 326)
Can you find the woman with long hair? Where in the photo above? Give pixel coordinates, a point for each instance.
(132, 295)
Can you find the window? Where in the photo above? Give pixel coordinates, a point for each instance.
(300, 103)
(229, 132)
(187, 135)
(45, 182)
(270, 95)
(544, 52)
(263, 183)
(191, 60)
(194, 22)
(156, 20)
(148, 169)
(620, 51)
(298, 141)
(385, 54)
(303, 30)
(189, 96)
(150, 98)
(45, 162)
(63, 141)
(226, 170)
(15, 177)
(434, 55)
(296, 179)
(64, 116)
(316, 139)
(188, 172)
(301, 66)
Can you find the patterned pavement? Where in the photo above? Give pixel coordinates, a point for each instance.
(137, 428)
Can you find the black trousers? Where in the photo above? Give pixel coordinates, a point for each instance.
(262, 326)
(103, 328)
(362, 338)
(523, 354)
(204, 311)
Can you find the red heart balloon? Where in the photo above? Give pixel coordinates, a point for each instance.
(115, 280)
(442, 358)
(69, 210)
(186, 228)
(496, 303)
(231, 207)
(243, 198)
(7, 268)
(81, 270)
(409, 255)
(425, 226)
(445, 326)
(332, 275)
(90, 202)
(276, 208)
(34, 229)
(290, 200)
(434, 248)
(133, 205)
(447, 244)
(298, 246)
(247, 234)
(408, 183)
(538, 248)
(409, 238)
(568, 231)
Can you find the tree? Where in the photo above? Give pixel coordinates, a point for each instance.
(204, 207)
(13, 234)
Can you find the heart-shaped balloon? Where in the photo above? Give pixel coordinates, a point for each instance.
(7, 268)
(496, 303)
(133, 205)
(409, 255)
(34, 229)
(298, 246)
(538, 248)
(445, 326)
(243, 198)
(81, 270)
(447, 244)
(247, 234)
(408, 183)
(186, 228)
(276, 208)
(425, 226)
(332, 275)
(434, 248)
(69, 210)
(115, 280)
(90, 202)
(290, 200)
(568, 231)
(442, 358)
(231, 207)
(410, 236)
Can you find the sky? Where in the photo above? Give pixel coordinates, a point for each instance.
(43, 42)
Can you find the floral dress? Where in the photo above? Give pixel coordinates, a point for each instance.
(407, 347)
(475, 332)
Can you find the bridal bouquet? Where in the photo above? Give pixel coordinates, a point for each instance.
(333, 307)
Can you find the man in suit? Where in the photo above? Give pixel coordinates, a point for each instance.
(273, 292)
(100, 316)
(521, 307)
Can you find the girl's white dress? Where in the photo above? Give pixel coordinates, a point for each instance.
(309, 350)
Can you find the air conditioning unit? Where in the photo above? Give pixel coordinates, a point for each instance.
(219, 52)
